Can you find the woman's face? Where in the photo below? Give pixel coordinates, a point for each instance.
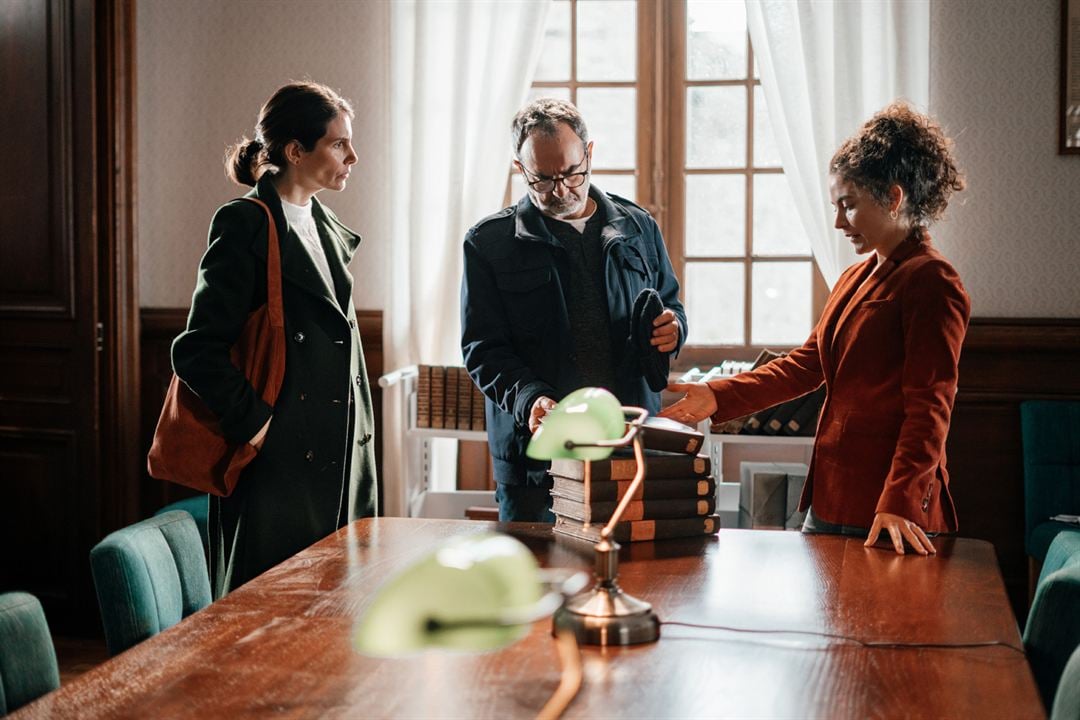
(862, 219)
(327, 166)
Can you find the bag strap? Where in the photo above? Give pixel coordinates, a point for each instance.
(273, 269)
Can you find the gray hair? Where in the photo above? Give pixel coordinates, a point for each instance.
(544, 115)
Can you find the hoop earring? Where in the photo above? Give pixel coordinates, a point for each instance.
(893, 214)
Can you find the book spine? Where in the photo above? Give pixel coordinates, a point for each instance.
(656, 467)
(423, 396)
(438, 397)
(804, 421)
(650, 489)
(601, 511)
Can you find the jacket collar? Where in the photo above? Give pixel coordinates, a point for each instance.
(339, 244)
(619, 225)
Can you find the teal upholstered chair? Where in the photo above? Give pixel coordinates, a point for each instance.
(199, 509)
(1051, 437)
(1067, 699)
(149, 576)
(1052, 633)
(27, 659)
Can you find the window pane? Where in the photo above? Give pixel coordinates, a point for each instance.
(621, 185)
(611, 116)
(714, 303)
(715, 215)
(716, 127)
(562, 93)
(554, 63)
(780, 303)
(766, 153)
(715, 40)
(777, 228)
(607, 40)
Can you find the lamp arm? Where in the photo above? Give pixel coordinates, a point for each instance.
(639, 477)
(633, 435)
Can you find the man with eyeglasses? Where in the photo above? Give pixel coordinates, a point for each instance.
(547, 297)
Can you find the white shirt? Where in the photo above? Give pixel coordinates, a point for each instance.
(303, 224)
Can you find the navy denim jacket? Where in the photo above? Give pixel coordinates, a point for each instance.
(515, 335)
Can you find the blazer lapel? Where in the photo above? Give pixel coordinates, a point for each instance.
(903, 251)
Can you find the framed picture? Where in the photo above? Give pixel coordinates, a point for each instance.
(1069, 117)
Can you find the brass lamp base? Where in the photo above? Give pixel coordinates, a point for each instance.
(605, 615)
(608, 616)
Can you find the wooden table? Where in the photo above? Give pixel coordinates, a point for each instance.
(281, 645)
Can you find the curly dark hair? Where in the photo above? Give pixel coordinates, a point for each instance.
(899, 146)
(543, 116)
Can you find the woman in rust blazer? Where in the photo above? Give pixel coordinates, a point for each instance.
(886, 346)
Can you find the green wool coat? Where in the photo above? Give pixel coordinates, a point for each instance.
(316, 469)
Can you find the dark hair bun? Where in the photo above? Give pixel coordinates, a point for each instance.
(899, 146)
(242, 161)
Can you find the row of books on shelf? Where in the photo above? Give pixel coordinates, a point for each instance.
(796, 418)
(677, 497)
(448, 399)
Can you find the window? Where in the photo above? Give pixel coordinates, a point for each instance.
(671, 95)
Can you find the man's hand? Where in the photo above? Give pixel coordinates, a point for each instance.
(541, 407)
(665, 334)
(699, 403)
(900, 529)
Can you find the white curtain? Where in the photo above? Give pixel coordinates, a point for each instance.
(826, 66)
(460, 69)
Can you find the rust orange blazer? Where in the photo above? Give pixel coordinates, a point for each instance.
(887, 351)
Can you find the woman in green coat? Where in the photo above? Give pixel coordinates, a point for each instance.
(315, 469)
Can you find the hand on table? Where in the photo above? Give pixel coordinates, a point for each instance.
(900, 529)
(698, 404)
(541, 407)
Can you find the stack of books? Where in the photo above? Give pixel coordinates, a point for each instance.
(676, 499)
(448, 399)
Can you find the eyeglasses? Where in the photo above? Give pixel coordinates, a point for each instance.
(546, 185)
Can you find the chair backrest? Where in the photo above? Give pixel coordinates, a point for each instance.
(1051, 440)
(27, 658)
(148, 577)
(1052, 633)
(1067, 699)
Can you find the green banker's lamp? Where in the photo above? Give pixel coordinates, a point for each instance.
(588, 425)
(473, 594)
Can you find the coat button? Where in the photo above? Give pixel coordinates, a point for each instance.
(359, 381)
(309, 456)
(925, 505)
(303, 396)
(364, 440)
(352, 323)
(298, 337)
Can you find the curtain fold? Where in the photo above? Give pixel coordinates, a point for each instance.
(826, 66)
(460, 69)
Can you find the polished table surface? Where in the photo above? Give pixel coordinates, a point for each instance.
(281, 645)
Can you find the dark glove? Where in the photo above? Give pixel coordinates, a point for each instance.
(654, 364)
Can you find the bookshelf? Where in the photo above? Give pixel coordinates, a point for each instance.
(414, 483)
(734, 449)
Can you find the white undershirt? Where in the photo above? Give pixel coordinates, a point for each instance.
(303, 223)
(579, 223)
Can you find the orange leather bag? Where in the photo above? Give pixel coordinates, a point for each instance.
(188, 446)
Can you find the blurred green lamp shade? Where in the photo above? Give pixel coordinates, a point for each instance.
(586, 415)
(456, 598)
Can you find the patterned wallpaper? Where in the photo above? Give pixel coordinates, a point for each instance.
(1014, 235)
(204, 69)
